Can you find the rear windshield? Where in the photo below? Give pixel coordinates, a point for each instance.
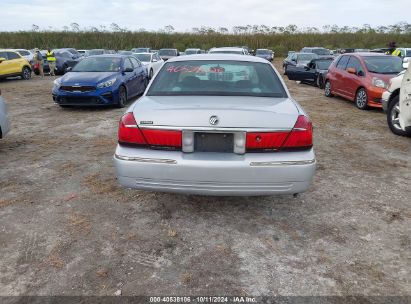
(306, 57)
(141, 50)
(191, 52)
(262, 52)
(217, 78)
(24, 53)
(167, 53)
(96, 52)
(321, 52)
(323, 64)
(383, 64)
(143, 57)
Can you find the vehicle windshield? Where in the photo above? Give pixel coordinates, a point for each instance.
(217, 78)
(226, 52)
(321, 52)
(98, 64)
(383, 64)
(191, 52)
(323, 64)
(143, 57)
(306, 57)
(263, 52)
(167, 52)
(95, 52)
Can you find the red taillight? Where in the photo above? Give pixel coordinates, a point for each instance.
(301, 136)
(166, 138)
(128, 131)
(265, 140)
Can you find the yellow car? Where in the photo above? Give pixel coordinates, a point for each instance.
(12, 64)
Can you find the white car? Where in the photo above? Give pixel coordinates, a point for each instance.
(396, 102)
(4, 119)
(216, 125)
(26, 54)
(152, 61)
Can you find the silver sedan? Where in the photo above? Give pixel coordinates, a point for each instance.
(216, 125)
(4, 119)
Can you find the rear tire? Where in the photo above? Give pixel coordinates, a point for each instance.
(327, 89)
(122, 97)
(361, 99)
(393, 118)
(26, 73)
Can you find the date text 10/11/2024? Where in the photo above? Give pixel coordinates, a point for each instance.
(200, 299)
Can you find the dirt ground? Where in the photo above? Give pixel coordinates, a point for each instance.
(67, 228)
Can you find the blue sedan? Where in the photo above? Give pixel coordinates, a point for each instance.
(101, 80)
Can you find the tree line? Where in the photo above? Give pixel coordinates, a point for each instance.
(281, 40)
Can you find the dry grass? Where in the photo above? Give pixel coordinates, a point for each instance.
(79, 223)
(54, 258)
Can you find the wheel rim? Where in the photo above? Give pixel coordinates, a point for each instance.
(361, 99)
(328, 88)
(26, 73)
(395, 116)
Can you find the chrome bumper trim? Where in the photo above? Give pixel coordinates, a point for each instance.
(282, 163)
(146, 160)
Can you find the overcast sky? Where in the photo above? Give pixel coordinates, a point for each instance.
(186, 14)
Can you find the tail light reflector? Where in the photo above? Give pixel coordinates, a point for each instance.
(301, 136)
(128, 131)
(265, 140)
(166, 138)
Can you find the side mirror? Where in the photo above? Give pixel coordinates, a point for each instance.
(128, 70)
(306, 67)
(352, 71)
(294, 60)
(405, 65)
(154, 60)
(2, 59)
(68, 69)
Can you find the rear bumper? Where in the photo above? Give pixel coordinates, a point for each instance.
(222, 174)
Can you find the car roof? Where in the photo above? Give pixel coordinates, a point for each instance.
(368, 54)
(144, 53)
(219, 57)
(9, 50)
(110, 56)
(231, 48)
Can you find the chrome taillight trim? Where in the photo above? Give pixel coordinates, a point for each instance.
(146, 160)
(282, 163)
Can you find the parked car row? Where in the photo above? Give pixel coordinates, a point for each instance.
(369, 79)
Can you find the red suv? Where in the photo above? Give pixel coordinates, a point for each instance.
(362, 77)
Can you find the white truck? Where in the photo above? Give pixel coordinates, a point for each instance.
(396, 103)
